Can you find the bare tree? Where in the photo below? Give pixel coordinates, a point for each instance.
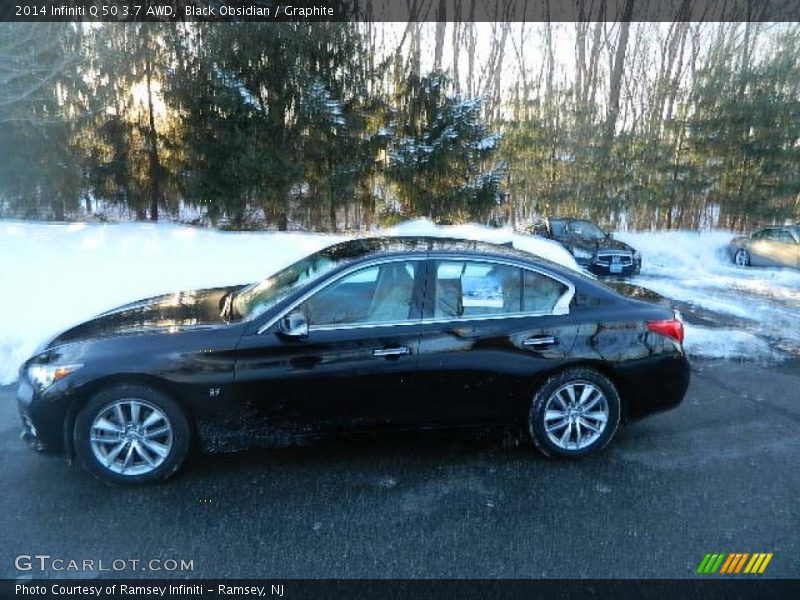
(441, 26)
(614, 87)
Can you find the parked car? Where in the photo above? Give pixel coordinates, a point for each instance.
(369, 334)
(593, 248)
(767, 247)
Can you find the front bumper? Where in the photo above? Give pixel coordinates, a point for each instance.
(43, 416)
(621, 271)
(605, 267)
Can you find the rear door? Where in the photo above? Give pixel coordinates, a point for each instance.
(783, 247)
(770, 247)
(489, 329)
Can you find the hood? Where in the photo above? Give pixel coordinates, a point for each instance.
(162, 314)
(604, 244)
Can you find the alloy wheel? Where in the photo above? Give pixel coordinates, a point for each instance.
(131, 437)
(576, 415)
(741, 258)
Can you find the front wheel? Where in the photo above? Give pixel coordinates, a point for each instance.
(575, 413)
(131, 434)
(741, 258)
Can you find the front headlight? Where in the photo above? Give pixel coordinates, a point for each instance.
(637, 255)
(581, 253)
(43, 376)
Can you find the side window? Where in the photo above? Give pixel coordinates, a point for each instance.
(540, 292)
(782, 235)
(380, 294)
(761, 235)
(469, 289)
(558, 228)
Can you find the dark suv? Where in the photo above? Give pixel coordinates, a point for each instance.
(593, 248)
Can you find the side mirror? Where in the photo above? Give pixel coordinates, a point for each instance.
(294, 325)
(609, 236)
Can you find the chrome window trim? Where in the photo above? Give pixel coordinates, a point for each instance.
(561, 307)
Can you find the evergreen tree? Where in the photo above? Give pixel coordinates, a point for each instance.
(441, 155)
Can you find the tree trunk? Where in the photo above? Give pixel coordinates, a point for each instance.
(155, 165)
(441, 25)
(615, 84)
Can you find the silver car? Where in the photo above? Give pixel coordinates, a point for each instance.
(768, 247)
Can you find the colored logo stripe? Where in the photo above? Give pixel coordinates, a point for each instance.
(758, 563)
(734, 563)
(710, 563)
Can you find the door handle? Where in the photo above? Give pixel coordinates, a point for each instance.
(383, 352)
(540, 340)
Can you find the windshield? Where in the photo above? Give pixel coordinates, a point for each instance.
(587, 229)
(258, 297)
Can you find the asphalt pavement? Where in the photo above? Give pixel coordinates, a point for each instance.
(718, 474)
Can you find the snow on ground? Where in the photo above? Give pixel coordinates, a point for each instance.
(55, 275)
(763, 304)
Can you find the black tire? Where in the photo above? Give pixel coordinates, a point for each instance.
(147, 398)
(745, 258)
(582, 378)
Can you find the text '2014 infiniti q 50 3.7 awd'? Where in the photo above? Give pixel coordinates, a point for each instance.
(369, 334)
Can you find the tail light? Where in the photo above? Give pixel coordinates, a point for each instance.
(672, 328)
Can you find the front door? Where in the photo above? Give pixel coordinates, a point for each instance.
(357, 365)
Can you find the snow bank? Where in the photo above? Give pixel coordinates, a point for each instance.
(710, 342)
(55, 275)
(539, 246)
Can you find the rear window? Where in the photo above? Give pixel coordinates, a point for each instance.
(475, 289)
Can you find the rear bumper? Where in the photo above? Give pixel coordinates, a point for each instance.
(654, 384)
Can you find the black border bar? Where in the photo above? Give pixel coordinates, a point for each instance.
(236, 11)
(712, 587)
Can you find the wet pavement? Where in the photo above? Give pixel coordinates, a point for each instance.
(718, 474)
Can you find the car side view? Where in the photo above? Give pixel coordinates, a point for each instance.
(369, 334)
(767, 247)
(594, 249)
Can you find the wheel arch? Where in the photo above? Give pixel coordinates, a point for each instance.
(603, 368)
(90, 388)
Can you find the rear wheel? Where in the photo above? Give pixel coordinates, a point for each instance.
(131, 434)
(575, 413)
(742, 258)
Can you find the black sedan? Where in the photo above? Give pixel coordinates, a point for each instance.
(594, 249)
(370, 334)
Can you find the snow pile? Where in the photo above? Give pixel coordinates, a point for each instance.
(539, 246)
(708, 342)
(56, 275)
